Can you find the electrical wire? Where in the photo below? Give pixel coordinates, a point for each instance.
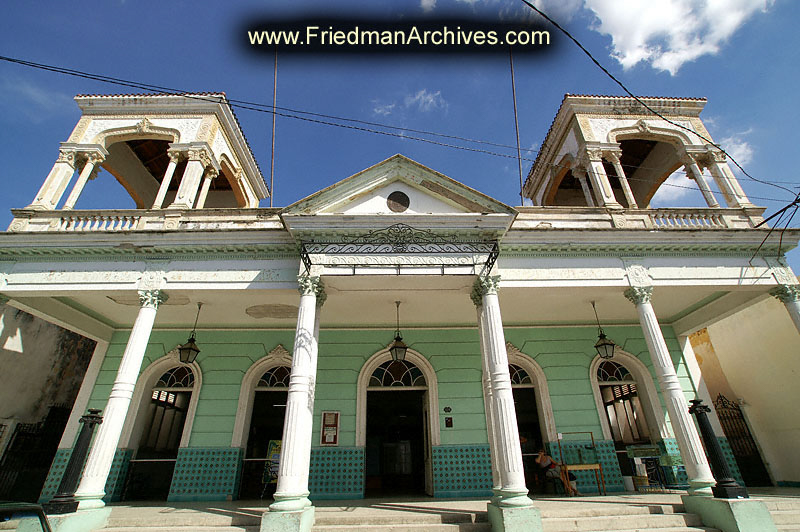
(642, 103)
(286, 113)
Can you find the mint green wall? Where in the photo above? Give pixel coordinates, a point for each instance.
(564, 353)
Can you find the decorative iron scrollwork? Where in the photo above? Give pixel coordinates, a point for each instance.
(402, 239)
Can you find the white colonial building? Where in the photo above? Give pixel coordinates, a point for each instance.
(494, 304)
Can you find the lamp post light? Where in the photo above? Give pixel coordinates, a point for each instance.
(188, 351)
(398, 348)
(604, 346)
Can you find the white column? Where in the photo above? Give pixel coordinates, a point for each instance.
(211, 173)
(292, 490)
(512, 475)
(693, 172)
(174, 158)
(92, 160)
(91, 489)
(734, 195)
(580, 175)
(477, 299)
(600, 183)
(199, 160)
(56, 182)
(623, 180)
(789, 295)
(691, 448)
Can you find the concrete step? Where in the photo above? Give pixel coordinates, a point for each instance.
(390, 517)
(400, 527)
(599, 510)
(620, 522)
(182, 529)
(785, 517)
(781, 504)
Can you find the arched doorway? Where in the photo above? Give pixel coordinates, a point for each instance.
(160, 432)
(630, 413)
(397, 424)
(265, 432)
(534, 411)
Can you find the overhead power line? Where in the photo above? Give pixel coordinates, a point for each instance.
(641, 102)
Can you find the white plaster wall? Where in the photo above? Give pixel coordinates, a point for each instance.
(420, 202)
(757, 349)
(39, 365)
(602, 126)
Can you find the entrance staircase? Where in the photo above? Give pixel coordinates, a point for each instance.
(622, 513)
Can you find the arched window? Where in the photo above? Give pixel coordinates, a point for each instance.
(397, 373)
(150, 473)
(277, 377)
(621, 403)
(519, 376)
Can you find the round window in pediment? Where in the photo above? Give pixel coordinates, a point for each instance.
(398, 201)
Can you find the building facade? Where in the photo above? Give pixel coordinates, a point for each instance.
(495, 304)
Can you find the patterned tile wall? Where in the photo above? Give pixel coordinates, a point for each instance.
(462, 471)
(57, 469)
(336, 473)
(728, 453)
(575, 452)
(206, 474)
(675, 474)
(118, 474)
(114, 483)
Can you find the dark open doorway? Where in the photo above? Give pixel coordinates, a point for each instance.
(530, 432)
(266, 424)
(395, 454)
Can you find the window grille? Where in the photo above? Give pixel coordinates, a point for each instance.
(397, 373)
(609, 371)
(177, 377)
(277, 377)
(518, 375)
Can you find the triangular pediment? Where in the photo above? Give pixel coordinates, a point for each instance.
(398, 186)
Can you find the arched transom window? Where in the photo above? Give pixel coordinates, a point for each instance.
(177, 377)
(519, 377)
(397, 373)
(277, 377)
(610, 371)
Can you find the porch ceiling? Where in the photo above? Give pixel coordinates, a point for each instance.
(368, 301)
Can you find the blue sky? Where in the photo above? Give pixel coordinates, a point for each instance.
(743, 55)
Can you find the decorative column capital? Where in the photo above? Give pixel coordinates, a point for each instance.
(594, 155)
(176, 155)
(151, 298)
(211, 172)
(322, 296)
(310, 285)
(483, 285)
(67, 155)
(714, 155)
(639, 294)
(786, 293)
(612, 156)
(201, 154)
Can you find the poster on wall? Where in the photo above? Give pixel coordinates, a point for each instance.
(273, 460)
(330, 429)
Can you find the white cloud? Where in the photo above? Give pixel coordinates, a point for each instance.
(668, 33)
(425, 100)
(34, 101)
(738, 148)
(383, 109)
(676, 187)
(427, 5)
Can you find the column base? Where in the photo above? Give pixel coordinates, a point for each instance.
(80, 521)
(297, 521)
(731, 515)
(701, 488)
(513, 518)
(513, 498)
(91, 502)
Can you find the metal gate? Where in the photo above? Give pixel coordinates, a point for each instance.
(744, 448)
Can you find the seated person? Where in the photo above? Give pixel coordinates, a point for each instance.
(552, 469)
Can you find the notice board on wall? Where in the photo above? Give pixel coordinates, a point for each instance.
(330, 428)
